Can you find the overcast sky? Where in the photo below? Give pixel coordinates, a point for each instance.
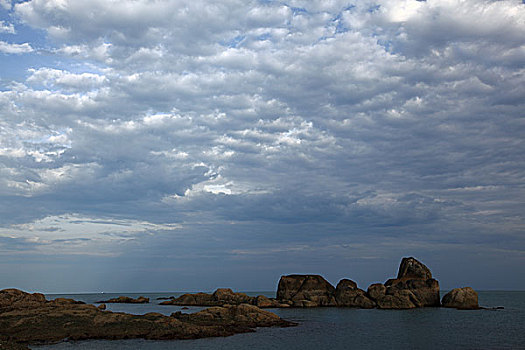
(155, 145)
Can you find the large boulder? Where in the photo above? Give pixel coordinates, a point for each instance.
(227, 296)
(413, 287)
(347, 294)
(376, 291)
(413, 269)
(305, 291)
(426, 292)
(403, 299)
(461, 298)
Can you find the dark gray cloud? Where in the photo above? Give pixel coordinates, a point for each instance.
(299, 135)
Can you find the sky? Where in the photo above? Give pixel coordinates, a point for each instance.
(155, 145)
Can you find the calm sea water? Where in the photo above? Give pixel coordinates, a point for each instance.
(341, 328)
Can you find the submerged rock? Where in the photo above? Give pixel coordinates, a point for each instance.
(461, 298)
(305, 291)
(29, 318)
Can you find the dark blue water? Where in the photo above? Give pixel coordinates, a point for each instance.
(340, 328)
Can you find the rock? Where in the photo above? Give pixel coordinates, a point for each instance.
(126, 300)
(243, 314)
(376, 291)
(347, 294)
(227, 296)
(221, 297)
(461, 298)
(29, 318)
(426, 292)
(10, 345)
(412, 268)
(404, 299)
(413, 287)
(265, 302)
(102, 307)
(305, 291)
(15, 297)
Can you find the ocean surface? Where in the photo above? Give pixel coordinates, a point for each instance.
(343, 328)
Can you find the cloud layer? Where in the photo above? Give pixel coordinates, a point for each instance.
(279, 136)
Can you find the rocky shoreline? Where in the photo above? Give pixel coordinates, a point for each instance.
(31, 319)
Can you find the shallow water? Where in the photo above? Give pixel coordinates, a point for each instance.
(343, 328)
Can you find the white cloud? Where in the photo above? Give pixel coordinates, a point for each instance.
(7, 28)
(9, 48)
(400, 117)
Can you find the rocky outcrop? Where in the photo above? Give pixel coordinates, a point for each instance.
(305, 291)
(29, 318)
(413, 287)
(221, 297)
(410, 268)
(347, 294)
(461, 298)
(243, 314)
(126, 300)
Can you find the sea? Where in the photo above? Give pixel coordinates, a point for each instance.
(341, 328)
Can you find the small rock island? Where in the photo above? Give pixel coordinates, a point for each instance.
(413, 287)
(125, 300)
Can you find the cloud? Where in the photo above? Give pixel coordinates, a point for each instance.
(300, 126)
(7, 28)
(9, 48)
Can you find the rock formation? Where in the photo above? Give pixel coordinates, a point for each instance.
(305, 291)
(29, 318)
(126, 300)
(347, 294)
(221, 297)
(413, 287)
(461, 298)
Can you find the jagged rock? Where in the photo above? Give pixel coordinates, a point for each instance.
(461, 298)
(102, 307)
(376, 291)
(29, 318)
(126, 300)
(347, 294)
(413, 269)
(306, 291)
